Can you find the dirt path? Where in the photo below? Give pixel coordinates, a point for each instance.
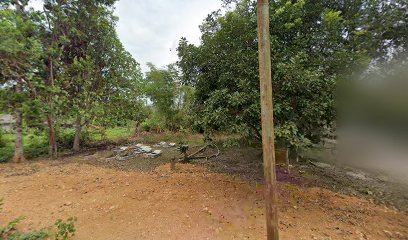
(189, 204)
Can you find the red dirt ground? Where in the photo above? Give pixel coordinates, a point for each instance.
(191, 203)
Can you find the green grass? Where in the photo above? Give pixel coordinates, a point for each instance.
(118, 133)
(112, 134)
(6, 152)
(34, 146)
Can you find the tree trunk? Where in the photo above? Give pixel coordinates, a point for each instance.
(52, 140)
(77, 138)
(103, 135)
(138, 129)
(19, 150)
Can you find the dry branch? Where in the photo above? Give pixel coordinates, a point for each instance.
(193, 155)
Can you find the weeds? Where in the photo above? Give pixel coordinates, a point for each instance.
(65, 230)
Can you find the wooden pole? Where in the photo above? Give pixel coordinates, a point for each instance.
(268, 145)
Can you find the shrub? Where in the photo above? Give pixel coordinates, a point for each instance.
(35, 145)
(66, 230)
(152, 123)
(6, 153)
(2, 140)
(65, 138)
(232, 143)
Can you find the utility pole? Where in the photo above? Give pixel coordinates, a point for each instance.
(268, 145)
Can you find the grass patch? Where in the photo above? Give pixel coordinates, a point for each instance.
(6, 152)
(112, 134)
(34, 146)
(36, 143)
(118, 133)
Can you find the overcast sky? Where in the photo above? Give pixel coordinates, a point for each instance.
(150, 30)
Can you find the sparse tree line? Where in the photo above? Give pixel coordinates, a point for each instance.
(66, 63)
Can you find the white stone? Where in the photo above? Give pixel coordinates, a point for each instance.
(157, 151)
(146, 149)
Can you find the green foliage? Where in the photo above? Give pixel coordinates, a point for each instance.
(65, 137)
(10, 231)
(36, 141)
(118, 133)
(69, 63)
(33, 114)
(183, 149)
(232, 143)
(160, 88)
(35, 145)
(100, 78)
(6, 153)
(154, 122)
(313, 44)
(66, 230)
(2, 140)
(35, 235)
(20, 52)
(10, 227)
(171, 99)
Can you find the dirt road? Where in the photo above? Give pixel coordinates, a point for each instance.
(191, 203)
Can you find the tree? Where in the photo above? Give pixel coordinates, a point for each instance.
(93, 61)
(313, 43)
(159, 87)
(54, 28)
(121, 99)
(20, 51)
(66, 62)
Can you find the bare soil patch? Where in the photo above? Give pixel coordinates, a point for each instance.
(373, 186)
(190, 203)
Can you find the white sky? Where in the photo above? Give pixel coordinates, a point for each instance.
(150, 30)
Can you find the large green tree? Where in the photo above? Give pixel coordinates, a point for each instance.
(20, 51)
(170, 97)
(160, 89)
(314, 44)
(95, 73)
(68, 61)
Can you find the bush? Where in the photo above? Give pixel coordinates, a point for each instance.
(232, 143)
(6, 150)
(2, 140)
(6, 153)
(35, 145)
(152, 123)
(65, 138)
(66, 230)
